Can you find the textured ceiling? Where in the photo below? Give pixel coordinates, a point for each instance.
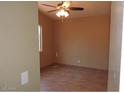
(90, 8)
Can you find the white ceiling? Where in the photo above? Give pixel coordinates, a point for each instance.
(90, 8)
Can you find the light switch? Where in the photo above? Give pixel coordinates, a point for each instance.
(24, 78)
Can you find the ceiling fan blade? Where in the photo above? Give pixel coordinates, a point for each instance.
(60, 3)
(76, 8)
(49, 5)
(52, 11)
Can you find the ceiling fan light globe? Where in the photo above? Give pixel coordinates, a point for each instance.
(66, 14)
(58, 14)
(62, 13)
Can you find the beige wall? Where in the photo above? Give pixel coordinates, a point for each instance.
(46, 56)
(115, 46)
(19, 46)
(85, 38)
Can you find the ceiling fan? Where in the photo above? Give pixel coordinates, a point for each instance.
(63, 9)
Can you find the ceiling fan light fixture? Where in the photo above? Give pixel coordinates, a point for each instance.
(63, 9)
(62, 13)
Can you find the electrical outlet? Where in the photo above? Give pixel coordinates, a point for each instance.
(56, 54)
(78, 61)
(24, 78)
